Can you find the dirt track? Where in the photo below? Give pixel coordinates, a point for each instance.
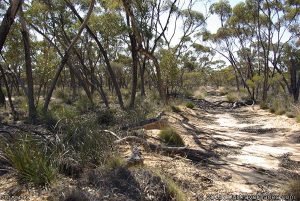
(259, 152)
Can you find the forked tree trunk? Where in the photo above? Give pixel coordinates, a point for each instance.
(28, 67)
(66, 57)
(104, 54)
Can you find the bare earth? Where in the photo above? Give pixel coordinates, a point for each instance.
(259, 152)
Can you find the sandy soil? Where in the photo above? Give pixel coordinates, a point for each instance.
(259, 152)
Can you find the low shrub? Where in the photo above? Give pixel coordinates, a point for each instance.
(171, 137)
(190, 105)
(173, 189)
(106, 117)
(232, 97)
(83, 104)
(33, 161)
(280, 111)
(64, 96)
(290, 115)
(114, 162)
(88, 144)
(175, 109)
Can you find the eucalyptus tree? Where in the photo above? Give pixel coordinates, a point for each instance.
(66, 56)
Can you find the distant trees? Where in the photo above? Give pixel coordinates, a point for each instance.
(253, 41)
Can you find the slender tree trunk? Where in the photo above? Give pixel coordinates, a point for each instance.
(66, 56)
(8, 20)
(105, 56)
(134, 55)
(28, 67)
(2, 97)
(73, 83)
(142, 75)
(13, 111)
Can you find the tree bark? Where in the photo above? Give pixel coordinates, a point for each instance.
(2, 97)
(13, 111)
(66, 56)
(8, 20)
(134, 55)
(142, 75)
(104, 54)
(28, 67)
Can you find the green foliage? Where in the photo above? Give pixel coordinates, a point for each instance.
(172, 187)
(106, 117)
(290, 115)
(64, 96)
(169, 68)
(232, 97)
(31, 160)
(83, 136)
(83, 104)
(175, 108)
(171, 137)
(115, 162)
(278, 105)
(190, 105)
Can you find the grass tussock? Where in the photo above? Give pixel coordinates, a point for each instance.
(115, 162)
(173, 189)
(232, 96)
(175, 109)
(106, 117)
(31, 160)
(190, 105)
(171, 137)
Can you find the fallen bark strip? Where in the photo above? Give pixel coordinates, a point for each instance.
(142, 123)
(192, 154)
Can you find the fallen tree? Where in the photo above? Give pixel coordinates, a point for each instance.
(195, 155)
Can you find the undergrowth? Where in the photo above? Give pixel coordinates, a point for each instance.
(31, 160)
(171, 137)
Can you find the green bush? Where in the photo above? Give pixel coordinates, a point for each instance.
(171, 137)
(64, 96)
(115, 162)
(83, 104)
(190, 105)
(280, 111)
(290, 115)
(32, 161)
(172, 187)
(175, 109)
(232, 97)
(106, 117)
(88, 143)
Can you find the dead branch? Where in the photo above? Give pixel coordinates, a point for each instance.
(192, 154)
(138, 125)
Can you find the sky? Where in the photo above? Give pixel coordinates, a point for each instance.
(213, 22)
